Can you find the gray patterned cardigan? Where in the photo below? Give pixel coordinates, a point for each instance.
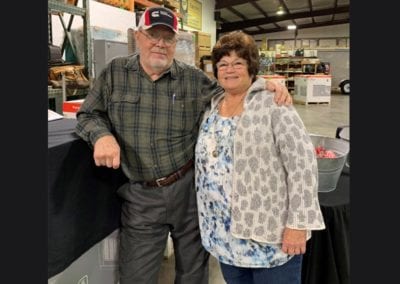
(275, 177)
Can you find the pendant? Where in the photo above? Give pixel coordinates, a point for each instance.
(215, 153)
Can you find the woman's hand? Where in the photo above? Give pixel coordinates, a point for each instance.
(282, 95)
(294, 241)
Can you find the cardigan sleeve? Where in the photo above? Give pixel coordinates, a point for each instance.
(300, 164)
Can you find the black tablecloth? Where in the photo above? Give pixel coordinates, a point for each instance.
(83, 207)
(327, 259)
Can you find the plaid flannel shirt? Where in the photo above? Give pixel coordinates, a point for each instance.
(155, 122)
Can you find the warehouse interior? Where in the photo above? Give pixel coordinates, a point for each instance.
(303, 45)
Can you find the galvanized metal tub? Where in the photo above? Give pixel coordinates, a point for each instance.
(329, 169)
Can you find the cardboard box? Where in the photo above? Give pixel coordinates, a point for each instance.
(202, 39)
(207, 68)
(172, 3)
(200, 51)
(70, 108)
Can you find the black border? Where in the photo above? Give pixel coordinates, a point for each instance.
(374, 142)
(24, 140)
(374, 73)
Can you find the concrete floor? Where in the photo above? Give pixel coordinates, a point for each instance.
(321, 119)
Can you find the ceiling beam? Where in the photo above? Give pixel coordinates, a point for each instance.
(237, 13)
(334, 7)
(240, 25)
(220, 4)
(299, 27)
(255, 5)
(311, 9)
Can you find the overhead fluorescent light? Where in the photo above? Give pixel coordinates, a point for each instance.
(291, 27)
(280, 11)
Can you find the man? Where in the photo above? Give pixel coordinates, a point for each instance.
(143, 113)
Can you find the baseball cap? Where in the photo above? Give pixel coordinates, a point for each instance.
(154, 16)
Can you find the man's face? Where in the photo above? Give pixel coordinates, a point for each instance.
(157, 47)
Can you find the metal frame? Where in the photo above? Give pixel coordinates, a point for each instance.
(57, 7)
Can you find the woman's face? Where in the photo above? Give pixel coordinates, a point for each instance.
(232, 73)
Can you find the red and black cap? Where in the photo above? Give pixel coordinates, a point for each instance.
(154, 16)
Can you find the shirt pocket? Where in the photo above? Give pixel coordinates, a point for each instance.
(121, 108)
(186, 113)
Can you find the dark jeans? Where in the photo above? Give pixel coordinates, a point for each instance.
(288, 273)
(148, 215)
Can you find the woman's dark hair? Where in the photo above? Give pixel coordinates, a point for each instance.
(245, 47)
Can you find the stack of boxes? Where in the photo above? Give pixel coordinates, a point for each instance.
(203, 48)
(172, 4)
(207, 68)
(202, 45)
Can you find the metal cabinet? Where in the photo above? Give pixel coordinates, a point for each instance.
(104, 51)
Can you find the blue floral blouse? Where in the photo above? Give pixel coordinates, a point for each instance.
(214, 156)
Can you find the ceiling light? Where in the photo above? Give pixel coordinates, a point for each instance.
(291, 27)
(280, 11)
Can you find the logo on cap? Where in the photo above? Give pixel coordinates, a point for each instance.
(158, 16)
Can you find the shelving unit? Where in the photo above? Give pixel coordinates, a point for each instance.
(146, 3)
(292, 66)
(59, 8)
(123, 4)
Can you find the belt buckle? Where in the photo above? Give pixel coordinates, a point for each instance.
(160, 180)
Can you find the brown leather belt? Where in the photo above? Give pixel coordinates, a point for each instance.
(170, 179)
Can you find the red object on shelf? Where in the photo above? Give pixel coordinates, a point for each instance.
(70, 108)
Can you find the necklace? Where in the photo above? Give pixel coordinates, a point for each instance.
(219, 133)
(223, 107)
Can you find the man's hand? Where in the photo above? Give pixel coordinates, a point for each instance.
(281, 92)
(107, 152)
(294, 241)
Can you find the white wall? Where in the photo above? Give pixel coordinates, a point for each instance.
(101, 15)
(209, 24)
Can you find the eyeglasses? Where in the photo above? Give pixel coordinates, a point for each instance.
(154, 37)
(237, 65)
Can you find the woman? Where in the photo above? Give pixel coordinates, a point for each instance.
(256, 174)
